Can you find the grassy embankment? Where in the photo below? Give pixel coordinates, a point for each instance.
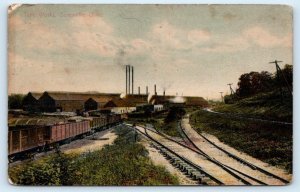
(123, 163)
(269, 142)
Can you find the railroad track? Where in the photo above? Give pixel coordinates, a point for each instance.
(241, 178)
(191, 169)
(238, 159)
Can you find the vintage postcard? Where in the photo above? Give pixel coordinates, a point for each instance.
(126, 95)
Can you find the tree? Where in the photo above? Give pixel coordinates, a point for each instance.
(254, 82)
(15, 101)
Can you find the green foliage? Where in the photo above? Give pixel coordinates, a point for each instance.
(57, 169)
(269, 142)
(15, 101)
(228, 99)
(123, 163)
(254, 82)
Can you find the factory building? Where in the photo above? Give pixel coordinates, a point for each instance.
(195, 101)
(30, 101)
(96, 103)
(68, 101)
(160, 99)
(120, 106)
(137, 99)
(168, 100)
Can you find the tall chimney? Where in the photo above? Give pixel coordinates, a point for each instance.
(139, 90)
(129, 79)
(126, 78)
(155, 93)
(132, 78)
(146, 90)
(164, 92)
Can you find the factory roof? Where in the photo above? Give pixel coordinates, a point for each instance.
(137, 99)
(100, 99)
(118, 103)
(192, 100)
(78, 96)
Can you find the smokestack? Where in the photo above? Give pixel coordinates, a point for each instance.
(146, 90)
(155, 89)
(164, 92)
(129, 79)
(126, 78)
(132, 78)
(139, 90)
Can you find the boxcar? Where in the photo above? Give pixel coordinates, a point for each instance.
(60, 132)
(22, 139)
(28, 135)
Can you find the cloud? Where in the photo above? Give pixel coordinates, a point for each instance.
(265, 38)
(166, 34)
(249, 37)
(198, 36)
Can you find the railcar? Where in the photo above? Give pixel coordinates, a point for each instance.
(27, 136)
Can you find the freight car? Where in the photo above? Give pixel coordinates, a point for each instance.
(27, 136)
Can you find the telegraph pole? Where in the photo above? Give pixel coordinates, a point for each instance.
(279, 71)
(231, 90)
(221, 96)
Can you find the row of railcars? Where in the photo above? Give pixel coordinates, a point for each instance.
(29, 135)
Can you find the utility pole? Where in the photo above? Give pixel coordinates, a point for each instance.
(221, 96)
(279, 71)
(231, 90)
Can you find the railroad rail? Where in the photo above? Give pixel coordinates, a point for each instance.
(232, 171)
(191, 169)
(242, 161)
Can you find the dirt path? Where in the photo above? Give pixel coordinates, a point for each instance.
(90, 143)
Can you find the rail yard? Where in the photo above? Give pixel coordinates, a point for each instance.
(80, 124)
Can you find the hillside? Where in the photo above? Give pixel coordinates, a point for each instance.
(268, 141)
(267, 106)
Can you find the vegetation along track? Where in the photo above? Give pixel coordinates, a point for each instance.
(264, 177)
(225, 174)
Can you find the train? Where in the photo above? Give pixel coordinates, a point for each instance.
(28, 136)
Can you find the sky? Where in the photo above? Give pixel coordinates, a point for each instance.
(193, 50)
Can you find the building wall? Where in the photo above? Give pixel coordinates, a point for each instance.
(47, 104)
(158, 107)
(123, 110)
(30, 103)
(90, 105)
(69, 106)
